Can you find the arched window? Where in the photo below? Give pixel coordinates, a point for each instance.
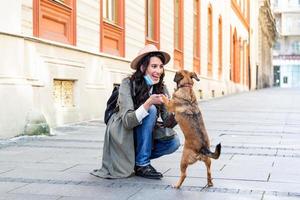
(220, 47)
(152, 22)
(231, 55)
(239, 60)
(196, 36)
(178, 34)
(209, 41)
(235, 56)
(112, 29)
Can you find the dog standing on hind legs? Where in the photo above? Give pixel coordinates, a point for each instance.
(188, 115)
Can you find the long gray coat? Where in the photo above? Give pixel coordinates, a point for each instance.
(118, 151)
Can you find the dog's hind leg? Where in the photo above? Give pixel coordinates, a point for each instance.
(207, 162)
(186, 159)
(183, 167)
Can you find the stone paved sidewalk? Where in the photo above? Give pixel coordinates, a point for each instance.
(259, 131)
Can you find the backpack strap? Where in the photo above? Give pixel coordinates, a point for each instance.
(132, 91)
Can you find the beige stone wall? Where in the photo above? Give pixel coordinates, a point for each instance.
(243, 35)
(27, 82)
(254, 44)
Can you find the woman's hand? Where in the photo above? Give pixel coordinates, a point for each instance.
(152, 100)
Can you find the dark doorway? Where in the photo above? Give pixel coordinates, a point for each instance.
(256, 77)
(276, 80)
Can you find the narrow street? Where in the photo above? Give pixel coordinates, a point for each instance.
(259, 132)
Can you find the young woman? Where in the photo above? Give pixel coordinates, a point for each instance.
(142, 128)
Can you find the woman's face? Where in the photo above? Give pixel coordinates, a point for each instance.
(155, 69)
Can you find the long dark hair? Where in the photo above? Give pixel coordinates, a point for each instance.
(140, 90)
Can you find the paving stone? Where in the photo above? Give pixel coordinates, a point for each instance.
(249, 185)
(260, 160)
(6, 167)
(80, 198)
(286, 176)
(249, 151)
(84, 167)
(146, 194)
(28, 197)
(8, 186)
(166, 182)
(77, 191)
(38, 166)
(35, 175)
(79, 144)
(290, 164)
(272, 197)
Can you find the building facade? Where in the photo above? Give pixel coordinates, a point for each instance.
(60, 58)
(266, 37)
(286, 50)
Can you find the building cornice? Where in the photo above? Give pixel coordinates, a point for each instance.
(287, 57)
(61, 45)
(240, 15)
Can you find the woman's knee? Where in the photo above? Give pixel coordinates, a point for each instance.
(152, 113)
(176, 142)
(174, 145)
(152, 110)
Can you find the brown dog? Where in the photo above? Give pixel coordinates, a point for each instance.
(187, 114)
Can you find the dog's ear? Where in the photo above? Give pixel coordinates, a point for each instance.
(194, 75)
(178, 77)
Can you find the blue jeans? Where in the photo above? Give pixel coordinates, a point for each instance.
(145, 147)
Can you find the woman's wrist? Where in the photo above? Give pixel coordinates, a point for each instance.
(147, 105)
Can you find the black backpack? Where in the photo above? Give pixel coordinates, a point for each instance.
(111, 105)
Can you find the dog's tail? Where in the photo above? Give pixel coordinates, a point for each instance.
(205, 151)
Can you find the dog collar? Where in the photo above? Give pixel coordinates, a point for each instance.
(186, 85)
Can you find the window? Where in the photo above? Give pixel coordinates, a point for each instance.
(289, 24)
(239, 60)
(110, 11)
(152, 22)
(55, 20)
(196, 36)
(178, 34)
(235, 73)
(63, 92)
(177, 24)
(209, 41)
(220, 48)
(231, 54)
(278, 23)
(296, 47)
(112, 27)
(276, 46)
(248, 65)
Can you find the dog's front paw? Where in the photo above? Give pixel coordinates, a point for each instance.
(165, 99)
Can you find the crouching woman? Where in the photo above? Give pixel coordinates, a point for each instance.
(142, 129)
